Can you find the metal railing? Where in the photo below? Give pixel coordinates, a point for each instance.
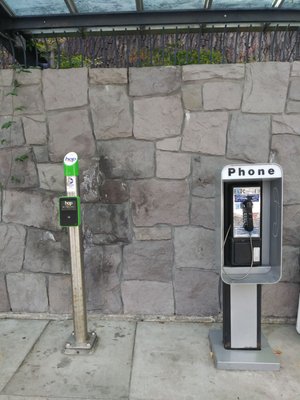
(147, 48)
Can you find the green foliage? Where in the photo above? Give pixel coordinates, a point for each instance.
(56, 51)
(15, 179)
(12, 93)
(16, 84)
(22, 158)
(20, 69)
(75, 61)
(70, 62)
(21, 108)
(7, 124)
(171, 55)
(174, 55)
(61, 59)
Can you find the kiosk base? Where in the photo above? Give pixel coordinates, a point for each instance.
(247, 360)
(73, 347)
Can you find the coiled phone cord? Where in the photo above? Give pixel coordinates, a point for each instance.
(252, 260)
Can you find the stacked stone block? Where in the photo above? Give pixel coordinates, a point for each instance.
(150, 141)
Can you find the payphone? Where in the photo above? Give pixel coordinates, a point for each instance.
(243, 212)
(249, 254)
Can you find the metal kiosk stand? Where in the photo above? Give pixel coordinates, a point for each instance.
(249, 254)
(80, 341)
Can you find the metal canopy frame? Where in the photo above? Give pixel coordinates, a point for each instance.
(17, 31)
(149, 18)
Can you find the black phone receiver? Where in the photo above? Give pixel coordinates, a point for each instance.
(247, 214)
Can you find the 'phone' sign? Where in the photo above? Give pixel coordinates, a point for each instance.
(251, 171)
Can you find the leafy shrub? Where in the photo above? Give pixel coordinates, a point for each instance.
(175, 56)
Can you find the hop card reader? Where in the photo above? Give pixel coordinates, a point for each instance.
(69, 211)
(81, 340)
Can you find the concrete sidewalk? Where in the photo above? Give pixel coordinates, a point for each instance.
(136, 361)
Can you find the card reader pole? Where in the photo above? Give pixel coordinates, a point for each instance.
(81, 340)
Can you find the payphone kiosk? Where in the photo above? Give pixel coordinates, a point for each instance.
(249, 254)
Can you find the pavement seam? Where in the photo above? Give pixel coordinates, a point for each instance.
(132, 360)
(3, 391)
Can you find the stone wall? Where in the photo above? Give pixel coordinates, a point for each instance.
(150, 141)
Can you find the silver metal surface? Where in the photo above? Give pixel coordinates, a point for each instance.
(78, 287)
(248, 360)
(80, 340)
(298, 318)
(243, 316)
(72, 346)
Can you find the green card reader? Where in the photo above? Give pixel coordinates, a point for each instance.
(69, 211)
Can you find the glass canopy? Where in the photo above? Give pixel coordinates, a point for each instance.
(150, 5)
(100, 6)
(226, 4)
(36, 7)
(49, 7)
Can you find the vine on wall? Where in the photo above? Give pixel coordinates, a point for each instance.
(7, 127)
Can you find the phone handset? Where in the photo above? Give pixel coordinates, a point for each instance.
(247, 214)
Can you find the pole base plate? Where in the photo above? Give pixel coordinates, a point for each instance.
(247, 360)
(73, 347)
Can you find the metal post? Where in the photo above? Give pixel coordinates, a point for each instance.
(80, 340)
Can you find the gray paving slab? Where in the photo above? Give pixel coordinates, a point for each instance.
(172, 361)
(104, 374)
(8, 397)
(12, 397)
(16, 339)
